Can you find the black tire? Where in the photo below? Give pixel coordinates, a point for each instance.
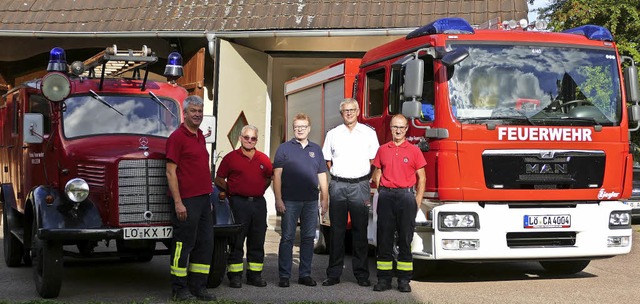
(47, 265)
(218, 261)
(13, 248)
(564, 267)
(321, 240)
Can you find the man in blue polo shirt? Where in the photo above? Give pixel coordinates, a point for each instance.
(299, 168)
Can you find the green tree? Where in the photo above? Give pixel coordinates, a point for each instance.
(621, 17)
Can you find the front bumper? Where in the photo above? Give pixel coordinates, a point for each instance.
(502, 225)
(80, 234)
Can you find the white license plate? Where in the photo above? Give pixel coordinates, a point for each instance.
(144, 233)
(547, 221)
(633, 204)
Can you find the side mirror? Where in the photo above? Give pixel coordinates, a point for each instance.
(32, 128)
(634, 112)
(413, 76)
(454, 57)
(411, 109)
(631, 83)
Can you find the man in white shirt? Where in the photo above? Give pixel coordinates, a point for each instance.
(349, 150)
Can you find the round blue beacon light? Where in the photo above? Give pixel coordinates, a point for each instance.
(174, 66)
(57, 60)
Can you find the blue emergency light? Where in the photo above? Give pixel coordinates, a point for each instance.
(443, 26)
(592, 32)
(173, 70)
(57, 60)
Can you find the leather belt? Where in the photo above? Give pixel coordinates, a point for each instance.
(351, 180)
(248, 198)
(395, 189)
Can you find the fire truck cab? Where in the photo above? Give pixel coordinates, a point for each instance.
(525, 133)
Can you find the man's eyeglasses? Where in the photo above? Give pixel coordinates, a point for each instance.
(349, 110)
(300, 128)
(249, 138)
(398, 127)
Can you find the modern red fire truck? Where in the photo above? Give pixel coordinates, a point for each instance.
(83, 161)
(525, 133)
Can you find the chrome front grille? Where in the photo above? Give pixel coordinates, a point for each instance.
(142, 192)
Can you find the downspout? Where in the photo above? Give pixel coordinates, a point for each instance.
(213, 46)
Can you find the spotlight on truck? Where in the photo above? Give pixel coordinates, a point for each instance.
(56, 86)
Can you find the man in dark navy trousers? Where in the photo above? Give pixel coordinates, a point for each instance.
(244, 174)
(189, 181)
(397, 164)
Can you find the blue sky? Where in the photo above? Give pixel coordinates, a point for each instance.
(536, 4)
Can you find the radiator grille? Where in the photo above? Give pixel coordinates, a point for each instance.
(541, 239)
(142, 187)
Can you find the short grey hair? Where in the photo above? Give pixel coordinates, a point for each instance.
(249, 127)
(347, 101)
(192, 100)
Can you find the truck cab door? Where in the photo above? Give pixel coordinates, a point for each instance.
(33, 159)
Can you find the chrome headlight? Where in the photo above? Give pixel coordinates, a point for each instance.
(620, 219)
(77, 190)
(458, 221)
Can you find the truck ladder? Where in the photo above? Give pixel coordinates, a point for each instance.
(113, 63)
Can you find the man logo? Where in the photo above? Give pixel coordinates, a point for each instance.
(547, 154)
(546, 169)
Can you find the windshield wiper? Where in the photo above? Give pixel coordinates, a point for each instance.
(158, 101)
(104, 102)
(522, 117)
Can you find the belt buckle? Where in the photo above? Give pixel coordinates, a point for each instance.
(250, 198)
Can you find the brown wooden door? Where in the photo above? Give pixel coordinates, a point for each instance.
(193, 78)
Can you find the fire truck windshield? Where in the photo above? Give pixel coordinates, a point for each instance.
(535, 84)
(84, 115)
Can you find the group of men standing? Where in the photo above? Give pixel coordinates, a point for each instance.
(299, 175)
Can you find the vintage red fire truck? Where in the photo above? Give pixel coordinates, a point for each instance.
(525, 132)
(83, 161)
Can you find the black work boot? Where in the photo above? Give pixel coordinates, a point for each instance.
(180, 295)
(203, 295)
(382, 285)
(256, 280)
(235, 281)
(403, 285)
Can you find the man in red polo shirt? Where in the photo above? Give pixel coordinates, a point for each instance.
(397, 164)
(244, 175)
(189, 181)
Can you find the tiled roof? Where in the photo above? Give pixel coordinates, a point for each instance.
(242, 15)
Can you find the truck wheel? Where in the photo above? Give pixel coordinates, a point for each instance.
(218, 261)
(13, 249)
(564, 267)
(47, 265)
(321, 240)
